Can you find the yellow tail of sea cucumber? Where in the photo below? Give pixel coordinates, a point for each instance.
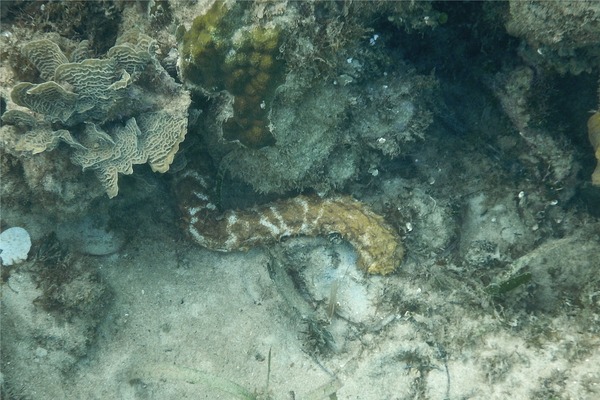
(594, 135)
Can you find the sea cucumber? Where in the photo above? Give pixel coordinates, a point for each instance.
(377, 244)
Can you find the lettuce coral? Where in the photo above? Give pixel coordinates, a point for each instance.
(113, 112)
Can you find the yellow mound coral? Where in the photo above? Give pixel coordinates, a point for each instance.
(219, 53)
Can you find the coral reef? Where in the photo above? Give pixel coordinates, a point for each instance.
(113, 112)
(97, 21)
(377, 244)
(217, 54)
(321, 120)
(307, 150)
(593, 126)
(464, 139)
(564, 268)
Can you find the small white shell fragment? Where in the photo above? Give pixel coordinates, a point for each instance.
(15, 244)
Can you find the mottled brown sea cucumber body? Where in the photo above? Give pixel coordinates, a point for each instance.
(377, 244)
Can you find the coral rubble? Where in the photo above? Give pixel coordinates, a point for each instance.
(15, 244)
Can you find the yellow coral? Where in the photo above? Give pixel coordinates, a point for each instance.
(377, 244)
(221, 52)
(594, 135)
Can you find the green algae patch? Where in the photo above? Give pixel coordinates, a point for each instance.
(499, 289)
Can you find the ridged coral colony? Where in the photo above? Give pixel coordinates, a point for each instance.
(108, 112)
